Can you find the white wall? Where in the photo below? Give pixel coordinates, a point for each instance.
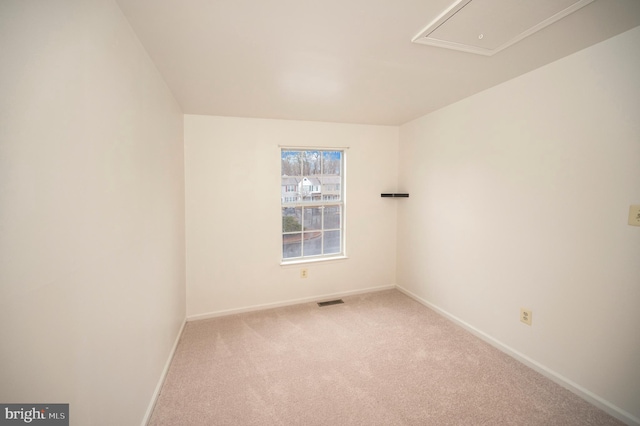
(519, 198)
(234, 226)
(92, 292)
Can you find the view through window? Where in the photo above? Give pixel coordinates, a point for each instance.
(312, 200)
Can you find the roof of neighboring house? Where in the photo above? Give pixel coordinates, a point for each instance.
(331, 179)
(289, 180)
(314, 180)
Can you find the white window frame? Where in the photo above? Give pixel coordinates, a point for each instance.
(318, 203)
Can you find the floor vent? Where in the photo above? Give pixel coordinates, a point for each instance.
(330, 302)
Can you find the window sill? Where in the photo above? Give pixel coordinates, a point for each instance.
(307, 261)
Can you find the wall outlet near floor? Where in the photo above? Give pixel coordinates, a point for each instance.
(304, 273)
(525, 316)
(634, 215)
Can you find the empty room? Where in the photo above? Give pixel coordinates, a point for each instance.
(242, 212)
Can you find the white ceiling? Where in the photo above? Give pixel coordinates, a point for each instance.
(338, 60)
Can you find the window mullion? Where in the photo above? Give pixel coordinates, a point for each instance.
(301, 198)
(302, 232)
(322, 230)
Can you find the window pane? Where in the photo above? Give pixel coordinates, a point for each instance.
(312, 218)
(331, 188)
(312, 243)
(332, 162)
(291, 163)
(332, 217)
(311, 189)
(291, 245)
(289, 187)
(291, 219)
(311, 163)
(332, 242)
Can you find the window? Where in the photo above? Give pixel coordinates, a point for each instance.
(312, 202)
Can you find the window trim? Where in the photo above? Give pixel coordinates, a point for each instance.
(342, 255)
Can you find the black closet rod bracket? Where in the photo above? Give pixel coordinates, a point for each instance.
(395, 195)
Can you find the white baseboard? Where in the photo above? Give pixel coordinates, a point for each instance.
(163, 375)
(287, 303)
(585, 394)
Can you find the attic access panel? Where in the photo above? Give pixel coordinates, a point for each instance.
(489, 26)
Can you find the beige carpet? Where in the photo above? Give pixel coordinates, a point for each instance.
(377, 359)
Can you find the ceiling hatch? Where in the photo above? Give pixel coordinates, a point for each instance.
(489, 26)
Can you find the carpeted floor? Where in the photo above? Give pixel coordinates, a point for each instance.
(378, 359)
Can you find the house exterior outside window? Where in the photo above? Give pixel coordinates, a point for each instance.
(312, 204)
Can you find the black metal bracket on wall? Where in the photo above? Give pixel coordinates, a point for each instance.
(394, 195)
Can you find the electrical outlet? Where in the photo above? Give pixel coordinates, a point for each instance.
(304, 273)
(634, 215)
(525, 316)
